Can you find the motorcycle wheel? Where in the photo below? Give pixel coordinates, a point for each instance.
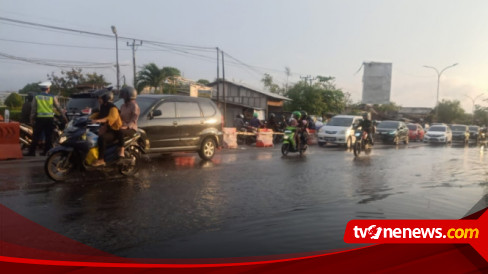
(357, 148)
(133, 167)
(285, 148)
(56, 166)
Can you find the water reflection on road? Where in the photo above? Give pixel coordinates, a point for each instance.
(249, 201)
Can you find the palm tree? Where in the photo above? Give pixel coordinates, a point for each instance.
(151, 75)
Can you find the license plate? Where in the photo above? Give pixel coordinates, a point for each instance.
(330, 139)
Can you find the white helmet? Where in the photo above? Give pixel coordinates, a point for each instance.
(45, 85)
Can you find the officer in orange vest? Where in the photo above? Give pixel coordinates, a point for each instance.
(42, 118)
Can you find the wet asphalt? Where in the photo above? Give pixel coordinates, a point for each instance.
(248, 201)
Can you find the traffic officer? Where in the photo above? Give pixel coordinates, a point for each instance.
(42, 118)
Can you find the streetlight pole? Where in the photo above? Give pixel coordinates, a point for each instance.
(438, 82)
(114, 30)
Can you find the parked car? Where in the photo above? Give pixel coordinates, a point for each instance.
(460, 133)
(81, 104)
(438, 134)
(475, 133)
(180, 123)
(338, 130)
(415, 132)
(392, 132)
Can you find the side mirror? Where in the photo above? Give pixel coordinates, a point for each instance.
(157, 112)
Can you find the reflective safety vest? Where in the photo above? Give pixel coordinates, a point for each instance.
(45, 106)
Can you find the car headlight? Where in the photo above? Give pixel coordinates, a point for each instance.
(392, 132)
(342, 132)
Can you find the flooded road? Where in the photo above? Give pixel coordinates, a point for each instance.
(248, 202)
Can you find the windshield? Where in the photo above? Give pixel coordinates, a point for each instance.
(82, 103)
(473, 128)
(458, 128)
(340, 122)
(389, 124)
(412, 127)
(144, 103)
(437, 128)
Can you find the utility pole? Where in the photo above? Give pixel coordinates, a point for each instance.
(218, 91)
(308, 78)
(223, 86)
(134, 45)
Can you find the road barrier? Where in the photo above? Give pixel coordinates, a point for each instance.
(230, 137)
(9, 141)
(312, 137)
(264, 137)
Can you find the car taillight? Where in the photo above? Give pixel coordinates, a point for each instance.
(86, 111)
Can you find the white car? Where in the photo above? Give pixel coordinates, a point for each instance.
(438, 134)
(339, 130)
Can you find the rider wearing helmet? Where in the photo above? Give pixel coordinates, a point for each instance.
(109, 118)
(255, 121)
(129, 113)
(272, 122)
(367, 125)
(239, 121)
(295, 116)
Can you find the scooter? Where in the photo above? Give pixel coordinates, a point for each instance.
(78, 149)
(362, 142)
(290, 144)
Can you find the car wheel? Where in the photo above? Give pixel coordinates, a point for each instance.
(207, 151)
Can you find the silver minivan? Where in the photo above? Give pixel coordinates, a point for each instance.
(339, 130)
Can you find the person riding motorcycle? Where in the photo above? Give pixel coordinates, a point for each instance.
(367, 126)
(129, 114)
(255, 121)
(239, 121)
(111, 122)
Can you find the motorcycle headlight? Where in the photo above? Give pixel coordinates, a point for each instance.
(286, 137)
(357, 134)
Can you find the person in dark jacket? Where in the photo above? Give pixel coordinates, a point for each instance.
(26, 109)
(367, 125)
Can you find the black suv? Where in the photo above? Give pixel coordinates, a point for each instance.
(176, 123)
(475, 133)
(81, 104)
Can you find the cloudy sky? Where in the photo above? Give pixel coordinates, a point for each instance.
(329, 38)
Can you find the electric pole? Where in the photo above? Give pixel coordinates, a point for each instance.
(134, 45)
(308, 78)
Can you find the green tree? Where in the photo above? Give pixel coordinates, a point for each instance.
(67, 83)
(320, 98)
(152, 76)
(386, 111)
(14, 100)
(203, 82)
(32, 87)
(270, 85)
(449, 111)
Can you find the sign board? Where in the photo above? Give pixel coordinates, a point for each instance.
(376, 83)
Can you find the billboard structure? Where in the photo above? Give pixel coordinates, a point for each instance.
(376, 83)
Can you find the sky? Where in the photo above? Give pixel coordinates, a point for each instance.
(327, 38)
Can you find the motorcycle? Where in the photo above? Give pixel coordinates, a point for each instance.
(362, 142)
(290, 144)
(247, 135)
(78, 149)
(26, 134)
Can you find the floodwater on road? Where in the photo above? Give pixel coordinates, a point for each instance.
(249, 202)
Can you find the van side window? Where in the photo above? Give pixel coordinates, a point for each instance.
(167, 110)
(207, 109)
(188, 109)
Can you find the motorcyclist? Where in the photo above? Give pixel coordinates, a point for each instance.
(367, 126)
(272, 122)
(303, 124)
(129, 114)
(111, 122)
(239, 121)
(255, 121)
(295, 116)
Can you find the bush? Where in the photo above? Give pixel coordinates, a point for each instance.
(14, 100)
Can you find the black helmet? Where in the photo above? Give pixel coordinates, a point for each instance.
(304, 114)
(240, 116)
(128, 93)
(106, 95)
